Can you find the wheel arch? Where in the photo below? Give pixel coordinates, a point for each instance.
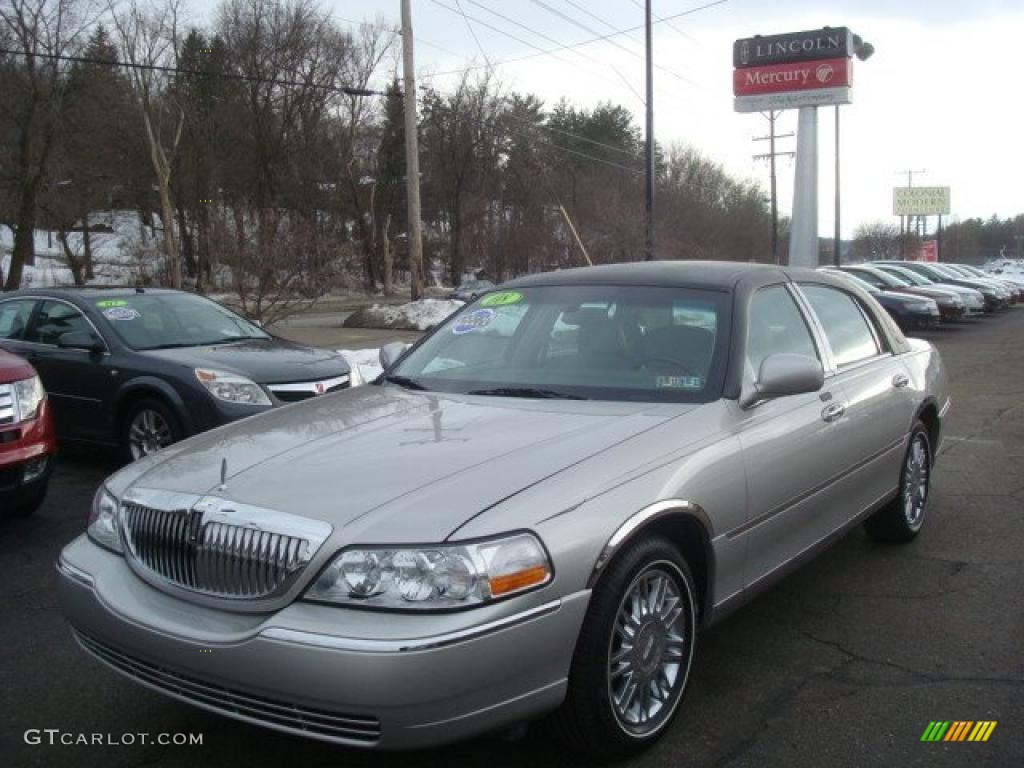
(149, 387)
(928, 414)
(686, 525)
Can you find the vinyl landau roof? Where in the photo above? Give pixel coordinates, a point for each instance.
(720, 275)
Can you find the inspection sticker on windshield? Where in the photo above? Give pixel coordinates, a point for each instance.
(121, 313)
(679, 382)
(108, 303)
(473, 321)
(501, 299)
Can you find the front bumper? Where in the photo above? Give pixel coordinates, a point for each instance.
(300, 670)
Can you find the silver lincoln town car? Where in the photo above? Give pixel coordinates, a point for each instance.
(532, 513)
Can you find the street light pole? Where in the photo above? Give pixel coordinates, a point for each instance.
(649, 181)
(837, 240)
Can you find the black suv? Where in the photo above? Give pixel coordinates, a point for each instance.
(142, 368)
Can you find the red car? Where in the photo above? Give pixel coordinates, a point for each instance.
(28, 442)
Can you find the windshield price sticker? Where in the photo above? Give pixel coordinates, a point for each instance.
(121, 313)
(474, 321)
(679, 382)
(501, 299)
(108, 303)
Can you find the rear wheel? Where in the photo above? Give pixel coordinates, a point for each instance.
(634, 654)
(149, 425)
(901, 519)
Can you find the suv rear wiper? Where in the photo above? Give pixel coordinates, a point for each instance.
(405, 381)
(543, 394)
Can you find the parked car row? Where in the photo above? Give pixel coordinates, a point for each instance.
(920, 295)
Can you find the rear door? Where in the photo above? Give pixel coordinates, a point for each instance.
(792, 446)
(879, 403)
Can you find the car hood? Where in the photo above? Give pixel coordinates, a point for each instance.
(391, 464)
(266, 361)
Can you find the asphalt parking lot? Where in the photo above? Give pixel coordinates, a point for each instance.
(843, 663)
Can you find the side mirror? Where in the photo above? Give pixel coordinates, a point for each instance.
(783, 375)
(80, 340)
(390, 353)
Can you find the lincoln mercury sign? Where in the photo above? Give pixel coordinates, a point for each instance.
(801, 69)
(920, 201)
(827, 43)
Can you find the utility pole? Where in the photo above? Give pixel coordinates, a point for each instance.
(649, 186)
(412, 156)
(770, 157)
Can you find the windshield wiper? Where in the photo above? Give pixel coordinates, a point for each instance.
(534, 392)
(405, 381)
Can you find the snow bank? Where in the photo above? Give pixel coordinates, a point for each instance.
(415, 316)
(368, 361)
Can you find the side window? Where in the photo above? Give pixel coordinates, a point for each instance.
(867, 277)
(14, 317)
(845, 326)
(775, 326)
(56, 318)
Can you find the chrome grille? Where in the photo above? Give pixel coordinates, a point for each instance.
(6, 404)
(275, 714)
(304, 390)
(215, 558)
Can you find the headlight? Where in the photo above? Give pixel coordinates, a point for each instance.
(28, 396)
(355, 376)
(232, 388)
(445, 576)
(104, 520)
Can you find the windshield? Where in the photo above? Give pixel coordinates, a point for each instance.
(163, 320)
(590, 342)
(909, 275)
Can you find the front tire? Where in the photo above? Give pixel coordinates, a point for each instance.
(148, 426)
(634, 654)
(902, 518)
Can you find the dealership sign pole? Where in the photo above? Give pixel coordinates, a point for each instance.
(800, 70)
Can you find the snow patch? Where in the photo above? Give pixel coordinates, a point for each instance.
(367, 360)
(415, 316)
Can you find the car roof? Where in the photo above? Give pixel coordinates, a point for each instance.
(87, 291)
(715, 275)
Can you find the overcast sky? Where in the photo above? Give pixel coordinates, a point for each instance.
(942, 93)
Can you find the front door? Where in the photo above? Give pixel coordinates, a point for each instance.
(75, 379)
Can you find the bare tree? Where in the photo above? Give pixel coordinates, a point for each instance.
(876, 240)
(148, 38)
(35, 81)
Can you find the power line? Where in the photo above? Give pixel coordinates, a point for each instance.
(589, 41)
(348, 90)
(667, 23)
(571, 151)
(490, 65)
(472, 31)
(558, 42)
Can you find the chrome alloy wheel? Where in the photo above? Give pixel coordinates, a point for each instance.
(650, 649)
(148, 433)
(915, 481)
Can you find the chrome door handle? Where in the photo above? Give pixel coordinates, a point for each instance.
(900, 381)
(833, 411)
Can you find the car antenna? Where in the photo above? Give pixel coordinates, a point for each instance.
(139, 289)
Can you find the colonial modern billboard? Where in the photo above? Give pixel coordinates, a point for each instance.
(920, 201)
(760, 50)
